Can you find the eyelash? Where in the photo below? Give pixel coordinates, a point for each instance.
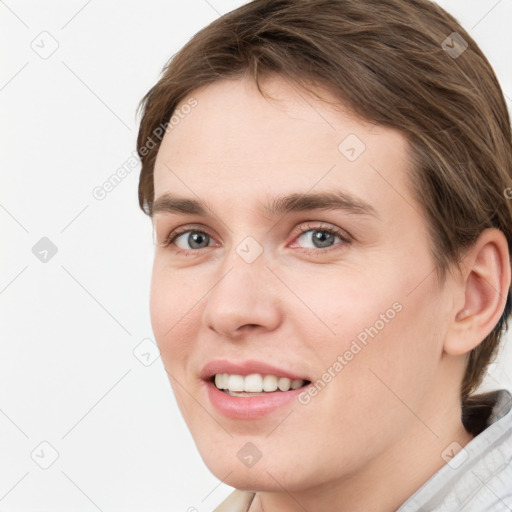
(305, 228)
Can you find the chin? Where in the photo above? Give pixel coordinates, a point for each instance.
(262, 476)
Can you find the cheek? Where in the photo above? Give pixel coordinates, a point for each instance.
(350, 305)
(161, 306)
(387, 364)
(384, 341)
(171, 312)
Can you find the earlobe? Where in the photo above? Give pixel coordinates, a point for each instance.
(485, 284)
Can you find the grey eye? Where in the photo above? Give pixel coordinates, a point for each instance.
(195, 239)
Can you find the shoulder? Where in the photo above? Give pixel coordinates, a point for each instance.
(237, 501)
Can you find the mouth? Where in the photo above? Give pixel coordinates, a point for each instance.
(251, 389)
(253, 396)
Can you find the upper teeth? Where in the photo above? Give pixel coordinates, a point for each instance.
(255, 383)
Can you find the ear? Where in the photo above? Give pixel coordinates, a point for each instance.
(480, 292)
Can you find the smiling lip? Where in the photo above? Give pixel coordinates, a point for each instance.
(253, 407)
(249, 407)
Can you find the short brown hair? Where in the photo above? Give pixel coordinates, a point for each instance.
(390, 62)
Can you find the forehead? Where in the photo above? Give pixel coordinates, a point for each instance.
(234, 139)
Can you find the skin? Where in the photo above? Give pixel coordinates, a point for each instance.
(376, 432)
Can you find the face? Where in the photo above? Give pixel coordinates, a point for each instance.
(336, 290)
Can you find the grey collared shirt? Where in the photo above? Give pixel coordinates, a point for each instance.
(479, 477)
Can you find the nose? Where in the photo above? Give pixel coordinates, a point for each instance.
(243, 299)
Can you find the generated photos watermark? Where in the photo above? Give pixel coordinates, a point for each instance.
(356, 346)
(100, 192)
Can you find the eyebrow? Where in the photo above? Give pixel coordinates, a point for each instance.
(280, 205)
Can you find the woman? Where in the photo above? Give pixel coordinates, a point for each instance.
(328, 181)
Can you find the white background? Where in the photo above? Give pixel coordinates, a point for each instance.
(69, 327)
